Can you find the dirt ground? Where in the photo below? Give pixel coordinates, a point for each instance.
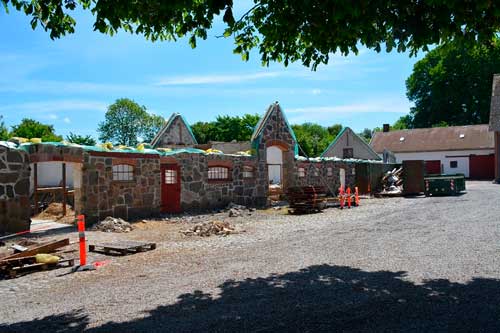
(399, 264)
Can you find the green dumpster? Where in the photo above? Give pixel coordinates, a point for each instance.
(444, 184)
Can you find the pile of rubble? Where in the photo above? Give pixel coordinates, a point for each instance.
(113, 224)
(238, 210)
(392, 182)
(210, 228)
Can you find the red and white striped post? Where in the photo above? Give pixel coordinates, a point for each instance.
(356, 196)
(81, 236)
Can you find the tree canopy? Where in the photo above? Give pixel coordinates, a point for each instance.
(226, 128)
(281, 30)
(313, 139)
(451, 85)
(128, 123)
(29, 128)
(86, 140)
(4, 132)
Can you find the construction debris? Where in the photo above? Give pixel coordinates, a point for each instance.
(392, 183)
(236, 210)
(306, 199)
(113, 224)
(38, 248)
(210, 228)
(54, 212)
(122, 247)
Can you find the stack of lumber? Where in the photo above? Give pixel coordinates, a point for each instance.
(392, 183)
(306, 199)
(210, 228)
(28, 260)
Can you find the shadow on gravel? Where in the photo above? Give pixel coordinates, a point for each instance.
(318, 298)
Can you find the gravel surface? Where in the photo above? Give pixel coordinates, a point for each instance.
(399, 264)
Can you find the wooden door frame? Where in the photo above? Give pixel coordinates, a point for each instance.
(163, 168)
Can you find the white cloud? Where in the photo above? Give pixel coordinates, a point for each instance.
(67, 120)
(316, 91)
(375, 105)
(215, 78)
(43, 107)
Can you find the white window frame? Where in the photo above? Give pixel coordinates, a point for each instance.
(123, 172)
(248, 172)
(301, 172)
(218, 173)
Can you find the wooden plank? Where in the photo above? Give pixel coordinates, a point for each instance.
(43, 248)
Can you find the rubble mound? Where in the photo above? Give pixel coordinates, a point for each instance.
(113, 224)
(236, 210)
(210, 228)
(54, 211)
(392, 182)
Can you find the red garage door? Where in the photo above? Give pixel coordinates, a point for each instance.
(432, 167)
(482, 167)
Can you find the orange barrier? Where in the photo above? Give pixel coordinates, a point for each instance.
(81, 235)
(341, 197)
(349, 198)
(356, 196)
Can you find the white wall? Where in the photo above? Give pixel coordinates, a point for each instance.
(50, 174)
(461, 156)
(274, 155)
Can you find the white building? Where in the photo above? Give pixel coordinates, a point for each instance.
(455, 149)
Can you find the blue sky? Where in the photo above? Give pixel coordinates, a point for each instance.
(69, 82)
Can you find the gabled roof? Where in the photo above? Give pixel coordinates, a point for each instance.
(273, 108)
(346, 131)
(434, 139)
(169, 123)
(495, 104)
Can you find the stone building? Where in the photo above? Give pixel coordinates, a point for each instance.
(141, 183)
(175, 133)
(348, 144)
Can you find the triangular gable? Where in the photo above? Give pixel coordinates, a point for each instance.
(357, 140)
(274, 108)
(169, 133)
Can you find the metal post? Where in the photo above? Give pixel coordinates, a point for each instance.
(35, 186)
(64, 188)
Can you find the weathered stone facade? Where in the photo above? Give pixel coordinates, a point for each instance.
(175, 133)
(200, 193)
(273, 130)
(134, 184)
(14, 190)
(102, 195)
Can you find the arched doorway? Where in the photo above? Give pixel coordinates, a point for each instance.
(274, 158)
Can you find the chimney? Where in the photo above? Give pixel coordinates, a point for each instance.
(385, 128)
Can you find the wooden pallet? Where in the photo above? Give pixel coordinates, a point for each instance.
(12, 268)
(122, 248)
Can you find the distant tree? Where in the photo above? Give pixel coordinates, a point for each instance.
(366, 135)
(86, 140)
(4, 132)
(203, 131)
(128, 123)
(404, 122)
(152, 125)
(313, 139)
(334, 130)
(29, 128)
(441, 124)
(452, 84)
(226, 128)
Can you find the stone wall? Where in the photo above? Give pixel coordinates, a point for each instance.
(316, 173)
(200, 193)
(102, 196)
(14, 190)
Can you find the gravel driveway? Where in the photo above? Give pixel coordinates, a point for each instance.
(399, 264)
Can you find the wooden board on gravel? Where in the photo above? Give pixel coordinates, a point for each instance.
(13, 267)
(122, 247)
